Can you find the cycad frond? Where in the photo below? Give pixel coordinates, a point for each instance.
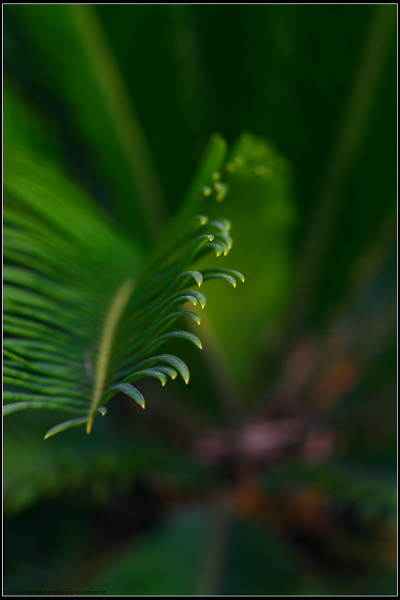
(81, 321)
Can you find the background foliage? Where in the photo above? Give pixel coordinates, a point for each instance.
(274, 471)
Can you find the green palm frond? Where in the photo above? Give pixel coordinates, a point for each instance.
(83, 318)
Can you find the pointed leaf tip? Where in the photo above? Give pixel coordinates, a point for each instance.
(177, 364)
(227, 223)
(65, 425)
(130, 391)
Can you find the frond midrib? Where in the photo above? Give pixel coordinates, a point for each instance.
(110, 325)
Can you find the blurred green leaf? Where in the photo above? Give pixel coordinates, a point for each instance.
(83, 72)
(175, 561)
(259, 206)
(22, 125)
(167, 82)
(112, 462)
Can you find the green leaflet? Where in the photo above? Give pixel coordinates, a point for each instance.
(129, 390)
(83, 318)
(64, 426)
(172, 361)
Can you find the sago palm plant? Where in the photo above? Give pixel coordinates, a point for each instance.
(272, 472)
(84, 318)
